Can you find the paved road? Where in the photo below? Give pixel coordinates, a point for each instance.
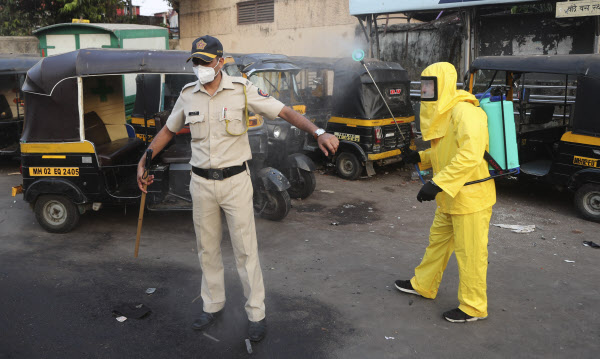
(329, 287)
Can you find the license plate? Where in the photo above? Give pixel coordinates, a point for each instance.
(347, 136)
(584, 161)
(54, 171)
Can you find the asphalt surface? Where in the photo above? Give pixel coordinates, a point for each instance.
(329, 270)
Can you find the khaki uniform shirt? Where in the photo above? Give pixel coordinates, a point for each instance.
(212, 145)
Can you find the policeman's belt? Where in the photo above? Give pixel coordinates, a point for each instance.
(219, 173)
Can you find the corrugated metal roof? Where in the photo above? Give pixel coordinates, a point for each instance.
(107, 27)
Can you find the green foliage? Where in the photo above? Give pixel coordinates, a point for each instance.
(22, 17)
(528, 9)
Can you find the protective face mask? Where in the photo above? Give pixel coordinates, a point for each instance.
(205, 74)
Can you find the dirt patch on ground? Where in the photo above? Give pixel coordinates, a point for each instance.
(358, 212)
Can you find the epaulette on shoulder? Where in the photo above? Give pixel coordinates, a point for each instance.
(240, 80)
(191, 84)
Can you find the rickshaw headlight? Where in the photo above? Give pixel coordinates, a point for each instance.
(276, 131)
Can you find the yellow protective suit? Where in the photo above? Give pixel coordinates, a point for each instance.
(458, 132)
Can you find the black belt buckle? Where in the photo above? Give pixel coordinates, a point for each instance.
(215, 174)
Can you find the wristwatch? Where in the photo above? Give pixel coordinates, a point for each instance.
(318, 132)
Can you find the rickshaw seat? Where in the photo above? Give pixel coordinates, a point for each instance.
(177, 153)
(114, 152)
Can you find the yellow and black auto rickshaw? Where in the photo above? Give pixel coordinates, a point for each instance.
(79, 152)
(341, 97)
(557, 119)
(12, 75)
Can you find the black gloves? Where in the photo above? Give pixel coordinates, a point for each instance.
(428, 192)
(410, 156)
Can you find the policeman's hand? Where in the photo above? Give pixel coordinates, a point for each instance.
(428, 192)
(411, 156)
(328, 143)
(141, 181)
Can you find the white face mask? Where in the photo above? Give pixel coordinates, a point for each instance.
(205, 74)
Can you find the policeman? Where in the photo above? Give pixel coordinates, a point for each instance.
(214, 108)
(457, 129)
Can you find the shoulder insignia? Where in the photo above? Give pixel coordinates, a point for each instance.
(262, 93)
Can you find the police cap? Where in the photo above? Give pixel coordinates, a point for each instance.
(206, 48)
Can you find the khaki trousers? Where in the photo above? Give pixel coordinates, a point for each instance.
(234, 196)
(467, 236)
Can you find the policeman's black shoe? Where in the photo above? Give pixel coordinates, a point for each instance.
(458, 316)
(405, 286)
(257, 330)
(205, 320)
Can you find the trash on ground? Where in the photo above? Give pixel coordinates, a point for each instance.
(121, 319)
(150, 290)
(349, 206)
(517, 228)
(389, 338)
(327, 191)
(577, 231)
(569, 261)
(129, 310)
(248, 346)
(211, 337)
(334, 223)
(591, 244)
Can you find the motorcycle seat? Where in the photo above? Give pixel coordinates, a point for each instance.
(177, 153)
(115, 152)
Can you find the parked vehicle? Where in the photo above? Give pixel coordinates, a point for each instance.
(78, 152)
(13, 69)
(343, 99)
(275, 75)
(558, 127)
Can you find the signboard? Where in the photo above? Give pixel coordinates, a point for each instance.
(360, 7)
(578, 8)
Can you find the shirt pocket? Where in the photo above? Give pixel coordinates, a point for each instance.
(198, 126)
(234, 122)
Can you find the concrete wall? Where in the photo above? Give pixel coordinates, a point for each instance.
(19, 45)
(301, 27)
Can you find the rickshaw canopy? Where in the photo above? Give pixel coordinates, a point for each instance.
(586, 67)
(16, 64)
(263, 62)
(355, 96)
(46, 74)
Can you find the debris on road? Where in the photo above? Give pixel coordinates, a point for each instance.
(517, 228)
(569, 261)
(334, 223)
(591, 244)
(327, 191)
(389, 338)
(150, 290)
(121, 319)
(129, 310)
(577, 231)
(349, 206)
(211, 337)
(248, 346)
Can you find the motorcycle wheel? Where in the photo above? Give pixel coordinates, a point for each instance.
(56, 214)
(275, 205)
(302, 183)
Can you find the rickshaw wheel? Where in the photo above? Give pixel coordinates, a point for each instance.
(277, 205)
(56, 214)
(302, 183)
(348, 166)
(587, 201)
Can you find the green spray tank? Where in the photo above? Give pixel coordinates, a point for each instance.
(502, 130)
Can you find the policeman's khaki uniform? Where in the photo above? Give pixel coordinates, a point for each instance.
(458, 132)
(209, 119)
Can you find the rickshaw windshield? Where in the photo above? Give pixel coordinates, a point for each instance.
(281, 85)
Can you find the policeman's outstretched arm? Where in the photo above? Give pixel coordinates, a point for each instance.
(158, 143)
(328, 143)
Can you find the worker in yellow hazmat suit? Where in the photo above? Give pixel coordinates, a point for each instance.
(457, 129)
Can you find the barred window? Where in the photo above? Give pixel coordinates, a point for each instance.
(254, 12)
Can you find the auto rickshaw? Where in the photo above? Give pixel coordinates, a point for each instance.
(79, 153)
(557, 121)
(344, 101)
(12, 75)
(275, 75)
